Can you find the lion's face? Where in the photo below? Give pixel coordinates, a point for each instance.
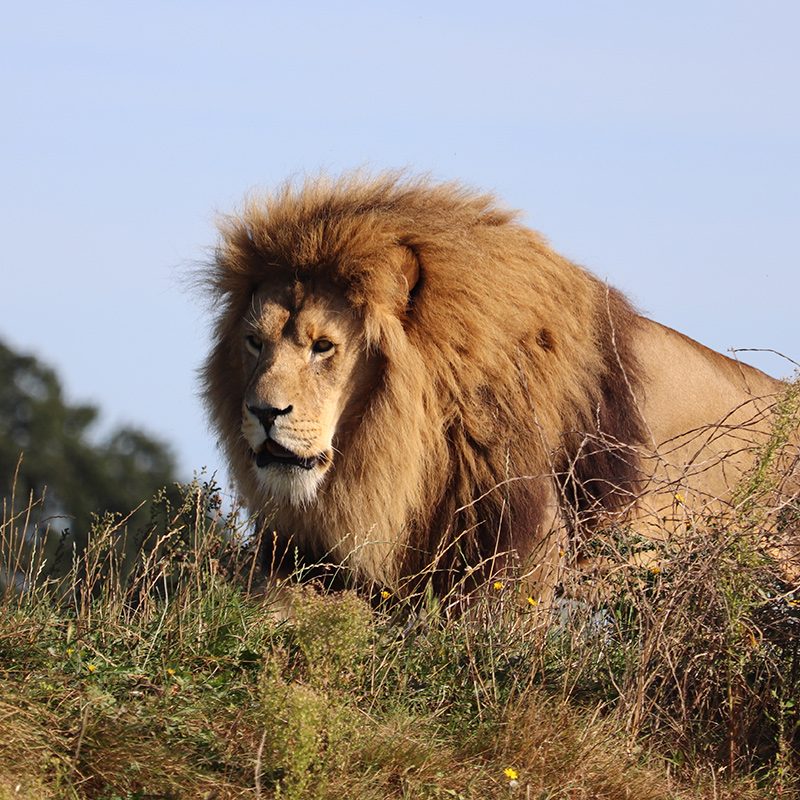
(307, 374)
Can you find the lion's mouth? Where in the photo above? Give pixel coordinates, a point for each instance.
(273, 453)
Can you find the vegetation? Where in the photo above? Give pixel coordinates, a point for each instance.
(166, 671)
(183, 681)
(73, 476)
(49, 451)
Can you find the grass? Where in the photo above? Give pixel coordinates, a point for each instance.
(156, 671)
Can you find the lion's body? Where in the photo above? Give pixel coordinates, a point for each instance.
(489, 398)
(708, 416)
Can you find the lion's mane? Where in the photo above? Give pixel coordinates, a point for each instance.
(508, 382)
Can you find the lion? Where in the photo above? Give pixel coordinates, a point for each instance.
(408, 381)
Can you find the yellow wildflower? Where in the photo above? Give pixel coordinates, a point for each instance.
(655, 569)
(170, 671)
(532, 602)
(679, 497)
(511, 773)
(91, 667)
(497, 585)
(70, 651)
(385, 595)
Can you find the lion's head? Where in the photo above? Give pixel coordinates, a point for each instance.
(306, 374)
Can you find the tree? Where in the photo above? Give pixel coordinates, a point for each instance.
(47, 453)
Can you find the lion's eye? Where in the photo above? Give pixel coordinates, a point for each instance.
(253, 344)
(322, 346)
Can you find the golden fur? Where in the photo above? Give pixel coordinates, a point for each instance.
(485, 400)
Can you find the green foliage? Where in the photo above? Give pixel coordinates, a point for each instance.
(334, 634)
(48, 452)
(299, 724)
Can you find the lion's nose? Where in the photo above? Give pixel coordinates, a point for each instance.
(266, 415)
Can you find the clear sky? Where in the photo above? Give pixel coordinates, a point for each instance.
(656, 143)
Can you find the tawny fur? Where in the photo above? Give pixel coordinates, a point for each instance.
(515, 397)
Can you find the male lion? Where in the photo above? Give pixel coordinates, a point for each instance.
(406, 381)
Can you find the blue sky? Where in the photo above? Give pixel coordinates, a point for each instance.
(657, 144)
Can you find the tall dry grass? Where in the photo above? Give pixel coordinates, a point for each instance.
(153, 665)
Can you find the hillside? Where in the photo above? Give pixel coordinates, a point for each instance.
(171, 676)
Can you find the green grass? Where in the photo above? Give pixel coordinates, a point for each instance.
(156, 671)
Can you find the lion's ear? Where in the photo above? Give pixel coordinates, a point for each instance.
(409, 267)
